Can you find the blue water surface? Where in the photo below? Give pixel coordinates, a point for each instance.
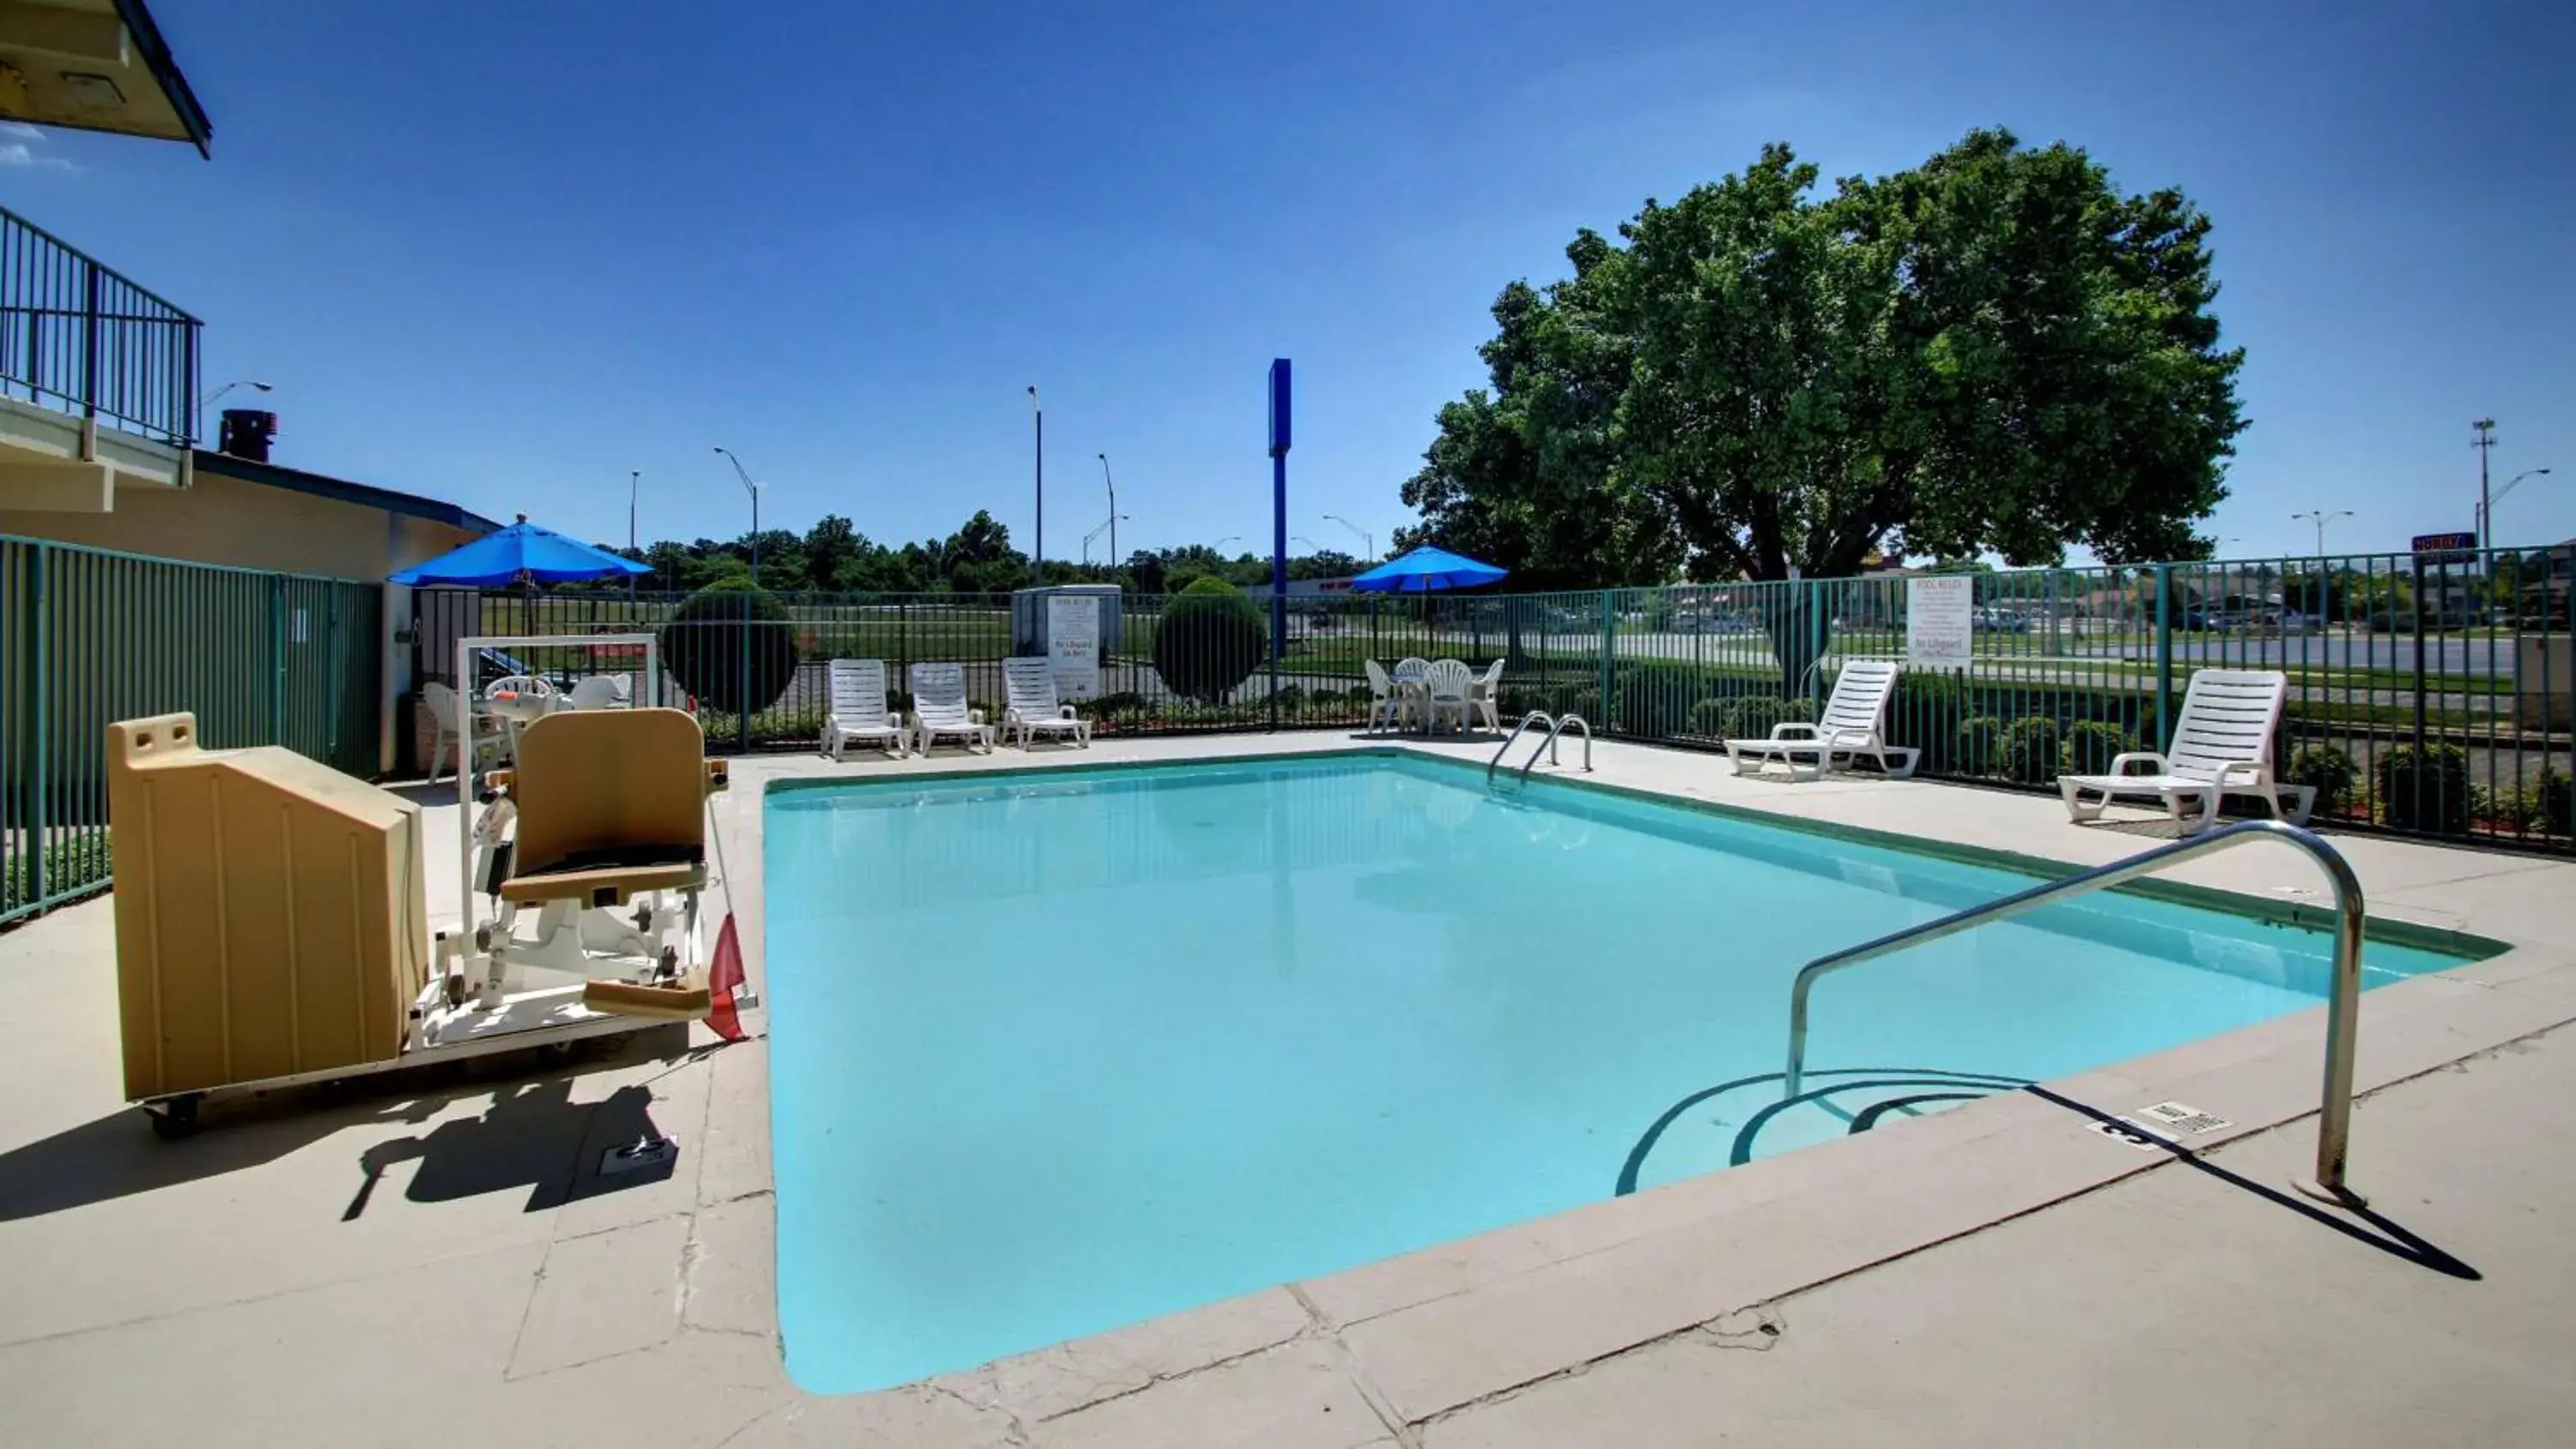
(1053, 1055)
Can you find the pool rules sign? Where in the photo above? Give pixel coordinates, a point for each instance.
(1940, 622)
(1073, 644)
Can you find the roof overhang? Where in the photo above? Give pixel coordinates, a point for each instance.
(95, 65)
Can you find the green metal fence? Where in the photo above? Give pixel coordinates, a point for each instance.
(88, 637)
(2428, 695)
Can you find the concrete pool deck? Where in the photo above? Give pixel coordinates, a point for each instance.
(436, 1260)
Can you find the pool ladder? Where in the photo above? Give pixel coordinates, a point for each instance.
(1554, 725)
(2343, 1005)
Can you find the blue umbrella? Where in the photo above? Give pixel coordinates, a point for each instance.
(520, 553)
(1424, 569)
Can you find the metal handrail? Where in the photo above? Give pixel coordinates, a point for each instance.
(1537, 714)
(2343, 1003)
(1553, 731)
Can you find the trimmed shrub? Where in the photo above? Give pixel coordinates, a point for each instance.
(2329, 771)
(2510, 810)
(2031, 750)
(2091, 746)
(2557, 802)
(1561, 697)
(1653, 702)
(1710, 718)
(732, 645)
(1209, 640)
(2426, 788)
(1751, 718)
(1980, 747)
(1114, 706)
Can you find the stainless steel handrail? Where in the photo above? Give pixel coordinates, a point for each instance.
(1555, 729)
(1537, 714)
(2343, 1003)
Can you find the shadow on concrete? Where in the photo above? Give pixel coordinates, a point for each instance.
(533, 1136)
(2391, 1237)
(118, 1155)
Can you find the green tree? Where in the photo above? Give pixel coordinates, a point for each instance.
(834, 551)
(1994, 352)
(978, 558)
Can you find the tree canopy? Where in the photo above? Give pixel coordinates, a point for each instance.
(834, 557)
(1996, 351)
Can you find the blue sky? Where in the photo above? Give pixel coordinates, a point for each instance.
(505, 254)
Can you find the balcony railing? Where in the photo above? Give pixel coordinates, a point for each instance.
(80, 338)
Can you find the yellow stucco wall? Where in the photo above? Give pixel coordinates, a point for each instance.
(244, 524)
(224, 520)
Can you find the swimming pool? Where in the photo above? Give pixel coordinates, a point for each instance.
(1061, 1052)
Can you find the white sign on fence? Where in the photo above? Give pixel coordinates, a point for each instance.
(1073, 644)
(1940, 620)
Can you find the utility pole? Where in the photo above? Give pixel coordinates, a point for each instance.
(2485, 428)
(634, 490)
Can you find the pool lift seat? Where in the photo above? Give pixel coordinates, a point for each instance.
(605, 814)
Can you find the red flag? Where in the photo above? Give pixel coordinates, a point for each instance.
(723, 977)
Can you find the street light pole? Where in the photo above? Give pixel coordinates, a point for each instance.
(2486, 510)
(1037, 552)
(1112, 526)
(754, 490)
(2485, 429)
(2322, 517)
(1113, 509)
(1368, 540)
(634, 490)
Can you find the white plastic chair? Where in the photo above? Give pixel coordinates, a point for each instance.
(2222, 745)
(1854, 725)
(1030, 707)
(1444, 688)
(858, 709)
(940, 711)
(1485, 693)
(1407, 677)
(601, 691)
(1386, 704)
(491, 738)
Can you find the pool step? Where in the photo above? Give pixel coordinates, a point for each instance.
(1735, 1122)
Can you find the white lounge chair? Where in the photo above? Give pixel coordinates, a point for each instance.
(1854, 725)
(1031, 708)
(2222, 745)
(1386, 704)
(939, 709)
(858, 713)
(1485, 693)
(1444, 688)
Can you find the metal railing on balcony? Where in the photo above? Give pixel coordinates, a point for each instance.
(83, 339)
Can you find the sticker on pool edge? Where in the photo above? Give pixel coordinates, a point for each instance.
(2184, 1118)
(2136, 1134)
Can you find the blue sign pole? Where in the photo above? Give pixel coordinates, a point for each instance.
(1278, 526)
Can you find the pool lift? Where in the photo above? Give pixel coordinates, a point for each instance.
(1555, 726)
(594, 941)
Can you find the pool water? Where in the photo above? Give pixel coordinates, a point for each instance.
(1055, 1054)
